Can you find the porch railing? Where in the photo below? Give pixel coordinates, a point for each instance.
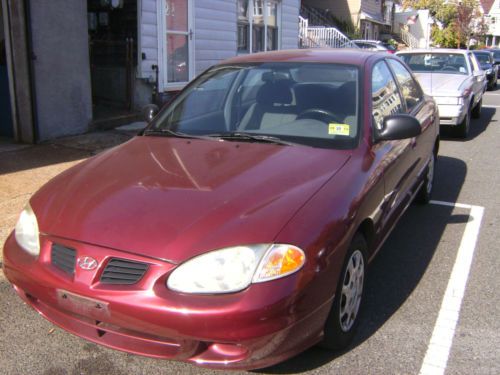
(318, 36)
(409, 39)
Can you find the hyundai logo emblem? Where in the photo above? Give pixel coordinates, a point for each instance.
(87, 263)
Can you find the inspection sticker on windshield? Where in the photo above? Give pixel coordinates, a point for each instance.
(338, 129)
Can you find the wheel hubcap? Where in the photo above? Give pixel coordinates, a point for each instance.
(352, 290)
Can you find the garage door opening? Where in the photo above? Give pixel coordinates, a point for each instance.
(112, 28)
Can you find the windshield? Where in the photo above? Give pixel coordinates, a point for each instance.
(300, 103)
(483, 58)
(452, 63)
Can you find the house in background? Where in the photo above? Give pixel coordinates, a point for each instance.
(373, 18)
(414, 27)
(72, 65)
(491, 11)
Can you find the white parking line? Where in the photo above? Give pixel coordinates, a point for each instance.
(491, 93)
(439, 347)
(491, 106)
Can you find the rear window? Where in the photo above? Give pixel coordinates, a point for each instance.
(483, 58)
(389, 46)
(446, 63)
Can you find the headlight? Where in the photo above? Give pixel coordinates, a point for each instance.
(235, 268)
(449, 100)
(26, 231)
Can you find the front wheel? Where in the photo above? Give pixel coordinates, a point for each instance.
(463, 128)
(476, 112)
(343, 320)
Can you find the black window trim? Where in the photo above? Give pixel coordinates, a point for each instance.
(370, 112)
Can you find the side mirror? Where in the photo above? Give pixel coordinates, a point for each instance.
(149, 112)
(398, 126)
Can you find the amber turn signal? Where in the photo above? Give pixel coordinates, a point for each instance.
(279, 261)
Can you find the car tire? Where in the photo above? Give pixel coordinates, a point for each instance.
(476, 112)
(343, 319)
(463, 128)
(425, 192)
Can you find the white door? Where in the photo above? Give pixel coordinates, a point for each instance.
(176, 43)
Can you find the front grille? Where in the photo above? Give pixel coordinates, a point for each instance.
(63, 258)
(123, 271)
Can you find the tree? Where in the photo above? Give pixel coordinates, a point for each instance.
(457, 21)
(470, 22)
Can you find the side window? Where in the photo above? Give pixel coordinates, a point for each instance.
(409, 88)
(385, 98)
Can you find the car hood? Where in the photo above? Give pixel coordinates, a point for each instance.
(442, 84)
(172, 198)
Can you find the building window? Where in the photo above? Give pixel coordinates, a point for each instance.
(258, 25)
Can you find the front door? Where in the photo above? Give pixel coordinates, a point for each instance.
(177, 47)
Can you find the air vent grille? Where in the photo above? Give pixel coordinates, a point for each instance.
(64, 258)
(123, 271)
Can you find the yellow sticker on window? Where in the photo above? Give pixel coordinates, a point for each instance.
(338, 129)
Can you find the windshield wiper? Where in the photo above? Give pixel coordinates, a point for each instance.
(172, 133)
(239, 136)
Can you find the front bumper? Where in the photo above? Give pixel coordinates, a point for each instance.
(451, 114)
(255, 328)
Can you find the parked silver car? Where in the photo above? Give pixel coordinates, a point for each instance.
(375, 45)
(455, 80)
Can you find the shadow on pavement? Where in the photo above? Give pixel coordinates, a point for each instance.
(400, 265)
(60, 150)
(477, 126)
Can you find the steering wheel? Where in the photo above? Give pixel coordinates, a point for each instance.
(319, 114)
(450, 68)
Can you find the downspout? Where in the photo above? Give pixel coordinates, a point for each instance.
(10, 70)
(19, 68)
(31, 63)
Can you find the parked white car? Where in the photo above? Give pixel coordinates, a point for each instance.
(455, 80)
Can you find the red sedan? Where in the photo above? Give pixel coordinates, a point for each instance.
(235, 231)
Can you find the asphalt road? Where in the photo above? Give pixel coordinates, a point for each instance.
(405, 286)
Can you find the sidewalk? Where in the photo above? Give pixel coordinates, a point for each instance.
(25, 168)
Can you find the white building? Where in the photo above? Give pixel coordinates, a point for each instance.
(491, 11)
(414, 26)
(74, 64)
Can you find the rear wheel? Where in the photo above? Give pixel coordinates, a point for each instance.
(343, 320)
(463, 128)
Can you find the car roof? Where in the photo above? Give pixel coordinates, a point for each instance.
(368, 41)
(434, 50)
(482, 52)
(352, 56)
